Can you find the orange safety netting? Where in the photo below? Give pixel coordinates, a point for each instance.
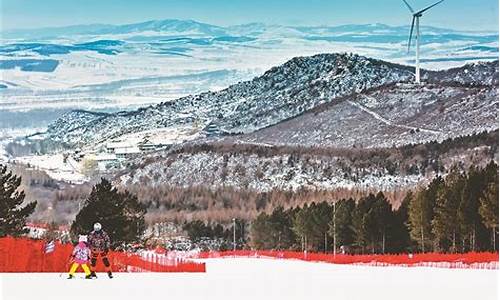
(26, 255)
(481, 260)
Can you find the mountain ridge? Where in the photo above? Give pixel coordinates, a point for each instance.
(281, 93)
(248, 96)
(184, 25)
(266, 168)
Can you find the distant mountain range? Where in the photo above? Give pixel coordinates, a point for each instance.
(178, 37)
(198, 28)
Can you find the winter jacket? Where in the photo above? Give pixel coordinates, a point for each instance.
(81, 253)
(99, 241)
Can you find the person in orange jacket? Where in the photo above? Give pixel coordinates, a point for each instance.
(99, 244)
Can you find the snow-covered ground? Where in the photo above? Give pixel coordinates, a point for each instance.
(246, 278)
(55, 166)
(165, 136)
(70, 170)
(8, 135)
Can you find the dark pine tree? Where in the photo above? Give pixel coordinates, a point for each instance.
(421, 214)
(363, 232)
(12, 214)
(120, 213)
(445, 224)
(302, 226)
(474, 235)
(382, 217)
(280, 223)
(321, 217)
(197, 230)
(488, 208)
(401, 241)
(259, 232)
(341, 225)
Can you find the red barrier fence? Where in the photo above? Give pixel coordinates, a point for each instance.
(482, 260)
(26, 255)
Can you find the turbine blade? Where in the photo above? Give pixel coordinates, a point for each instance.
(428, 7)
(409, 7)
(411, 34)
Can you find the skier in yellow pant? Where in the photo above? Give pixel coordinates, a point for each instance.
(80, 257)
(75, 266)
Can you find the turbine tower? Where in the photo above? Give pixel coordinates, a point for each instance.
(416, 19)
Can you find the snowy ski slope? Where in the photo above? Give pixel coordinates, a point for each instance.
(247, 278)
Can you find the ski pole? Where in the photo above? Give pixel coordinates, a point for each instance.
(68, 262)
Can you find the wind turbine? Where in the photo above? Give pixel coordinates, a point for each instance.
(416, 19)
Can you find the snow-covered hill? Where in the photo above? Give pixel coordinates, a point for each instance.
(364, 94)
(453, 103)
(264, 167)
(281, 93)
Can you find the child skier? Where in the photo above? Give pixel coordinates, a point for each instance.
(80, 257)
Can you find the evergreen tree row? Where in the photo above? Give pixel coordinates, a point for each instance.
(456, 214)
(368, 226)
(199, 232)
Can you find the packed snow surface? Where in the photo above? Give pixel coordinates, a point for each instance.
(55, 166)
(246, 278)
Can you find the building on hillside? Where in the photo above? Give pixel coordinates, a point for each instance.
(123, 149)
(106, 161)
(127, 153)
(112, 147)
(36, 231)
(211, 130)
(148, 146)
(78, 155)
